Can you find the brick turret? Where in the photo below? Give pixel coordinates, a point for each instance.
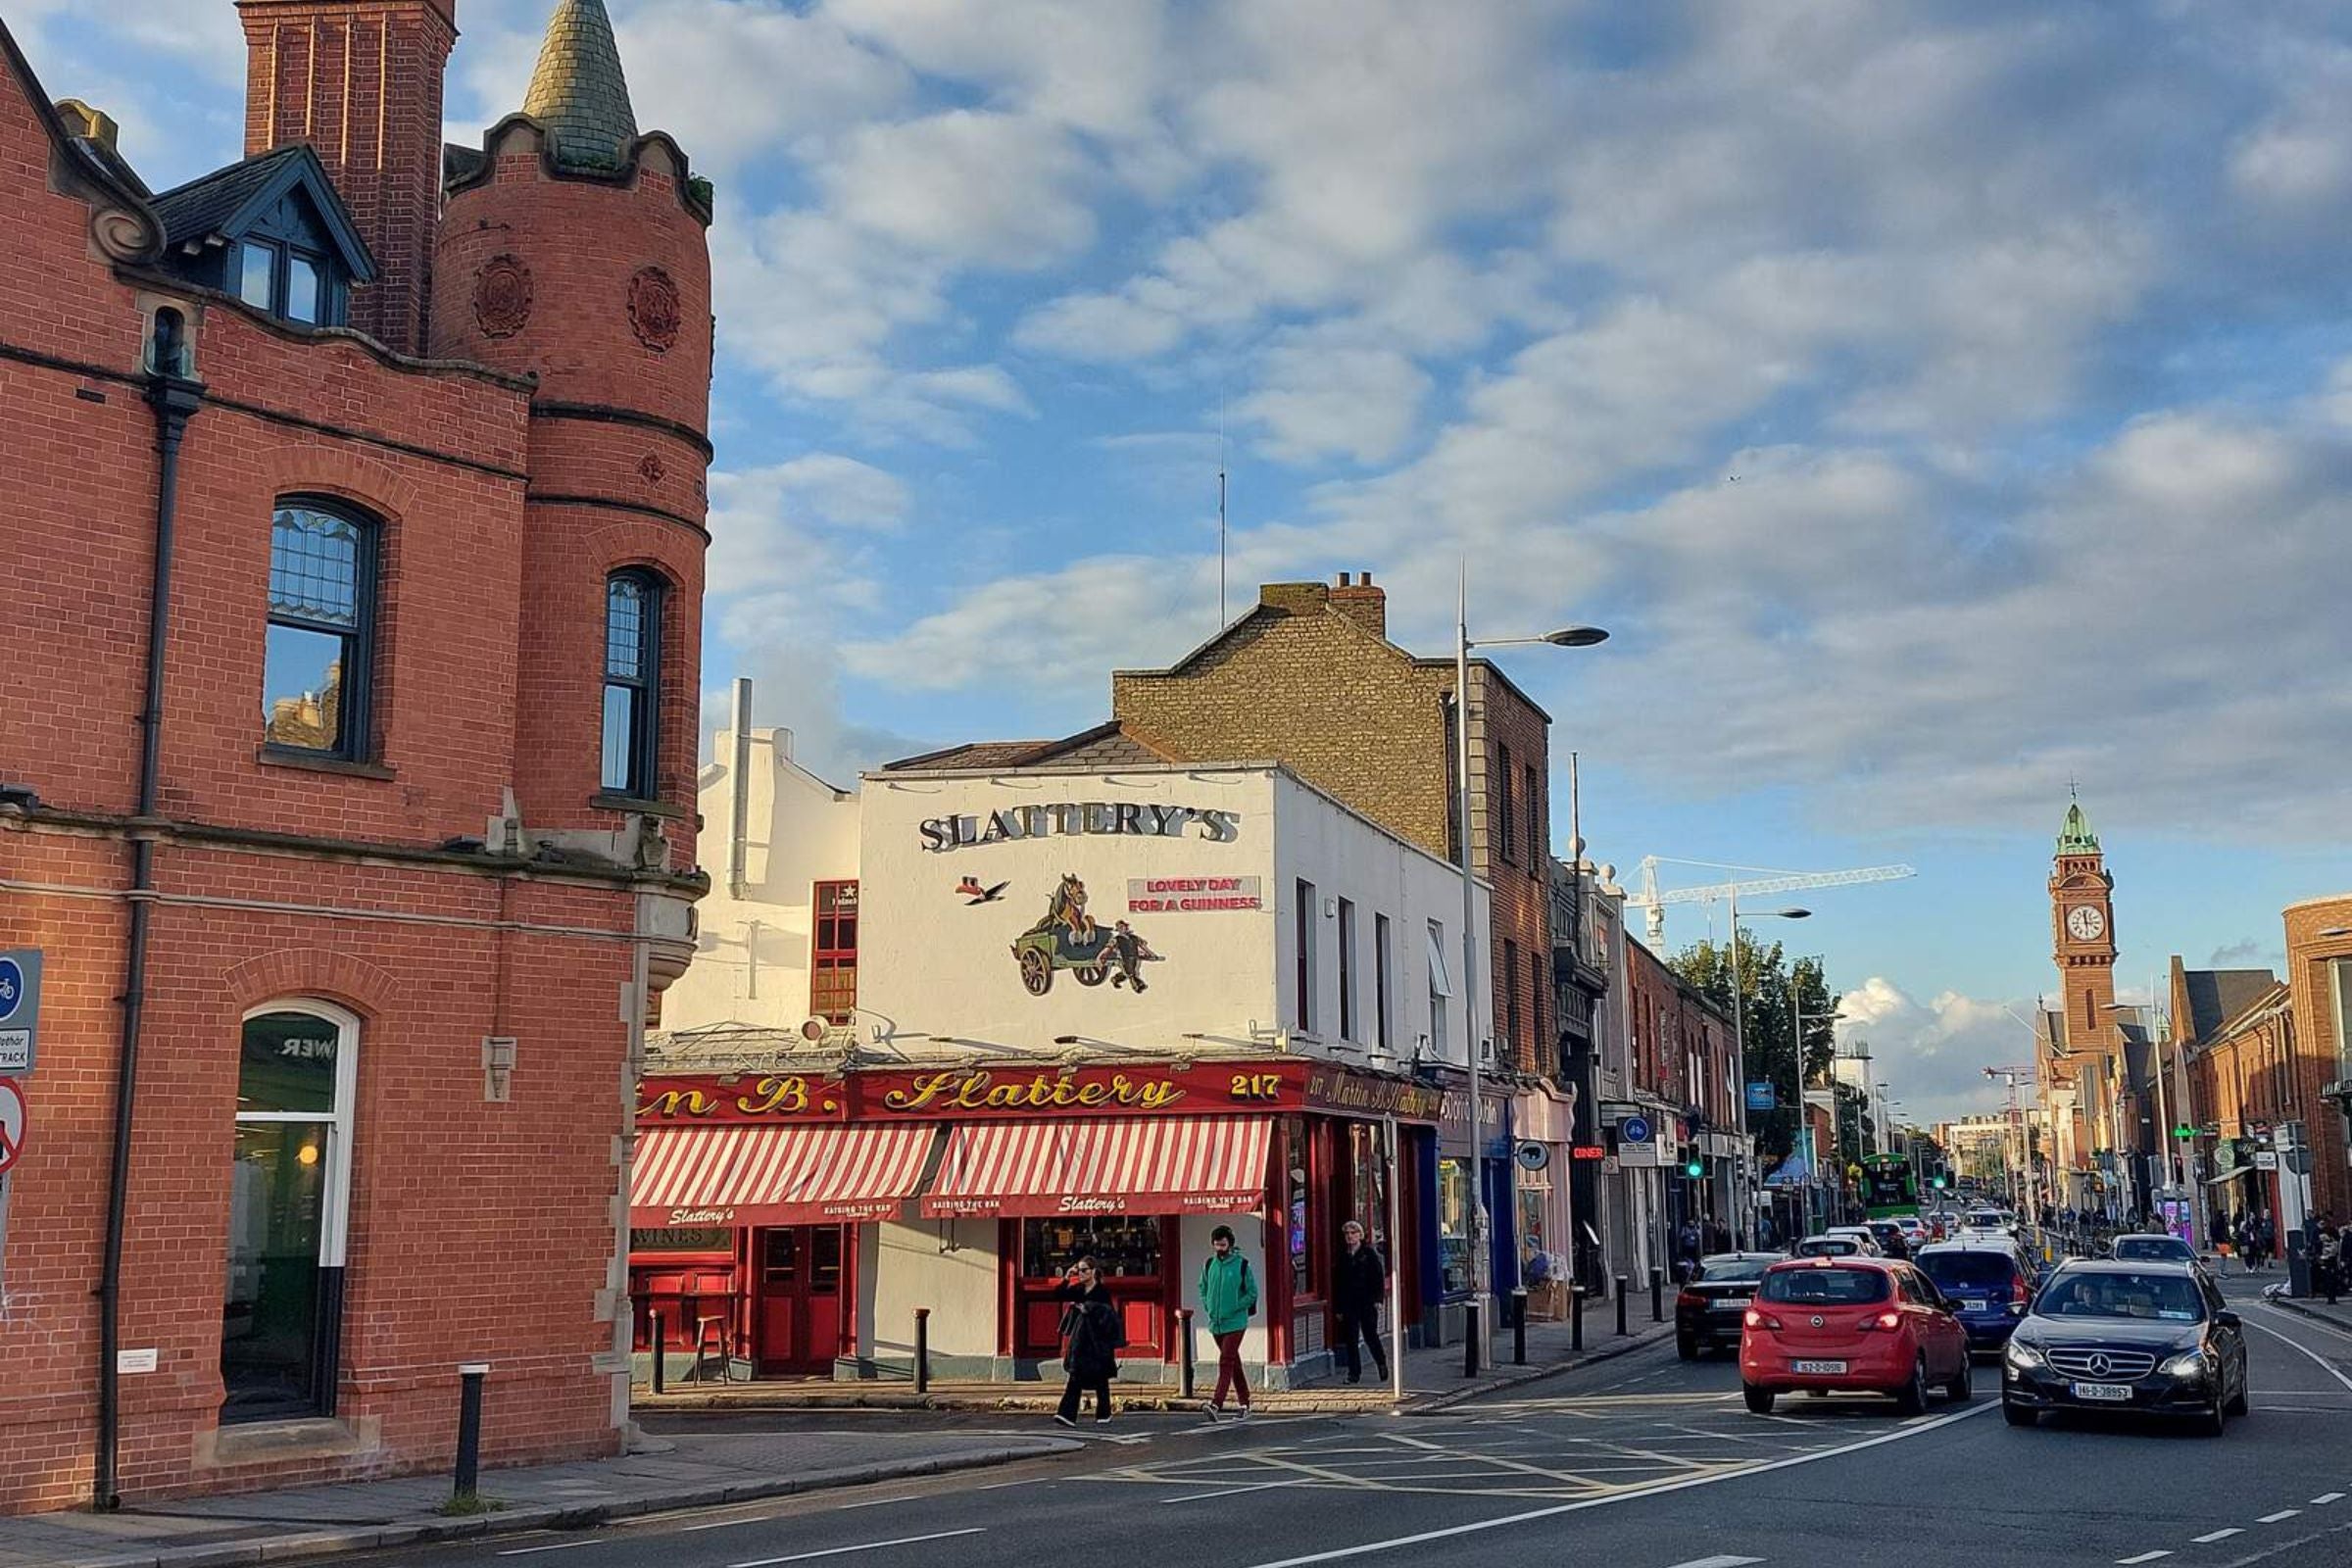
(573, 248)
(360, 81)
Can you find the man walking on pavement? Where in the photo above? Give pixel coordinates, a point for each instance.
(1361, 1281)
(1228, 1299)
(1091, 1325)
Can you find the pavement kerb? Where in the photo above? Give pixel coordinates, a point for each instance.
(1531, 1372)
(2306, 1310)
(545, 1516)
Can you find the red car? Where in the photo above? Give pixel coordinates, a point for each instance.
(1852, 1325)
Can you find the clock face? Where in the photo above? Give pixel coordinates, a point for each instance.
(2084, 922)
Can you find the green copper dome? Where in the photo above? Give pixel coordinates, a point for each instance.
(579, 92)
(2075, 837)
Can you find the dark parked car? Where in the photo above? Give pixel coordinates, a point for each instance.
(2140, 1339)
(1707, 1312)
(1989, 1283)
(1891, 1240)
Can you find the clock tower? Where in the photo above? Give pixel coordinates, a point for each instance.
(2083, 931)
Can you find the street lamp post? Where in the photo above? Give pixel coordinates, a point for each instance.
(1740, 1189)
(1480, 1221)
(1804, 1111)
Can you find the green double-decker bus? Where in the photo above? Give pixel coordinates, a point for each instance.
(1889, 1186)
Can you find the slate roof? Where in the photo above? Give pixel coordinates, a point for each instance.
(578, 91)
(1109, 745)
(225, 200)
(2216, 997)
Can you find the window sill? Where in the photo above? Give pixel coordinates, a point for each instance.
(315, 762)
(604, 800)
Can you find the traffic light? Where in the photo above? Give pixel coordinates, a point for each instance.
(1936, 1181)
(1694, 1167)
(2184, 1131)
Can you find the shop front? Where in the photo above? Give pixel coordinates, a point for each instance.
(794, 1224)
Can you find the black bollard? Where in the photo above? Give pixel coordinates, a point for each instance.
(1576, 1316)
(922, 1350)
(654, 1324)
(1657, 1296)
(470, 1427)
(1184, 1339)
(1622, 1283)
(1519, 1326)
(1470, 1338)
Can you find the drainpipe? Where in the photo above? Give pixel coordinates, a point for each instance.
(175, 400)
(740, 789)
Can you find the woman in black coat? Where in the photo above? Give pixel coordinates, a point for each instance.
(1090, 1327)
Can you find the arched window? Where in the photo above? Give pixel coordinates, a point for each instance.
(320, 651)
(290, 1205)
(632, 682)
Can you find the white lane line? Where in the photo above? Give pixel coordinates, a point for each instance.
(863, 1545)
(998, 1485)
(2146, 1556)
(723, 1523)
(2300, 1348)
(874, 1502)
(2217, 1534)
(553, 1546)
(1717, 1562)
(2328, 1496)
(2275, 1518)
(1233, 1491)
(1631, 1493)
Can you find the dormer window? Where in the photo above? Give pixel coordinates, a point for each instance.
(287, 282)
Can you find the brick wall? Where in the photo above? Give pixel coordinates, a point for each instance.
(2318, 1053)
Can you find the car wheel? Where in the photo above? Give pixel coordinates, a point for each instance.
(1912, 1398)
(2017, 1415)
(1686, 1346)
(1963, 1387)
(1760, 1401)
(2238, 1401)
(2214, 1422)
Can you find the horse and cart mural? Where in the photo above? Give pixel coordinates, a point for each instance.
(1067, 937)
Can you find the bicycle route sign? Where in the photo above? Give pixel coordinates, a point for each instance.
(20, 1010)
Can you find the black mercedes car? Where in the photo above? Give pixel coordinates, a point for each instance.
(1711, 1305)
(2135, 1338)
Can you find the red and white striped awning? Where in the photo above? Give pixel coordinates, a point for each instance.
(1121, 1165)
(812, 1175)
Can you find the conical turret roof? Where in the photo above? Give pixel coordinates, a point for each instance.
(578, 91)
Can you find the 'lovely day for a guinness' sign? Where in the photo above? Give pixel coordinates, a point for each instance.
(1072, 818)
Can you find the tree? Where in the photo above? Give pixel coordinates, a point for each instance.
(1772, 992)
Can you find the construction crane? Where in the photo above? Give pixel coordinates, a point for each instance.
(1768, 880)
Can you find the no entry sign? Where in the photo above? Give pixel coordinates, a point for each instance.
(12, 1124)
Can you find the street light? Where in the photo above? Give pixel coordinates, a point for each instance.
(1562, 637)
(2158, 1027)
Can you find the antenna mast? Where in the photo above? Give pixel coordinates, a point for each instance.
(1221, 514)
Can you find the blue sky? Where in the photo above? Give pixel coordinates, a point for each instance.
(1940, 402)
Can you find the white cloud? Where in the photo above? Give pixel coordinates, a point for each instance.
(1933, 1053)
(1315, 400)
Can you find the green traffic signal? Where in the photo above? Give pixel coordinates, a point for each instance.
(1937, 1181)
(2184, 1131)
(1695, 1168)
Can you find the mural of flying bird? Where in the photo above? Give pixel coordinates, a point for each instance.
(972, 893)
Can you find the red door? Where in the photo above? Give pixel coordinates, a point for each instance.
(798, 1299)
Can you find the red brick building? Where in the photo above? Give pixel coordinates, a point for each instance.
(1682, 1053)
(354, 538)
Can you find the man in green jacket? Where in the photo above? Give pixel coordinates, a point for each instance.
(1228, 1299)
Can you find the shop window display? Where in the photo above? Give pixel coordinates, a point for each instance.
(1124, 1247)
(1453, 1224)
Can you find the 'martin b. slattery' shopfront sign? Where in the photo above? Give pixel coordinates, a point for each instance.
(1005, 1093)
(1071, 819)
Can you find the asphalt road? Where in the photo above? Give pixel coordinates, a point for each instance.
(1644, 1463)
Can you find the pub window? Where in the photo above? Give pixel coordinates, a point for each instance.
(1440, 990)
(1453, 1225)
(1348, 1014)
(1124, 1247)
(833, 953)
(289, 1195)
(318, 653)
(1383, 1028)
(1503, 810)
(1536, 836)
(1510, 995)
(632, 682)
(1296, 1215)
(1305, 1014)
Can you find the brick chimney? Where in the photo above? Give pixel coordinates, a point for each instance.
(1363, 604)
(360, 81)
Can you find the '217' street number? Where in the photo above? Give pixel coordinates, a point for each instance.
(1257, 1086)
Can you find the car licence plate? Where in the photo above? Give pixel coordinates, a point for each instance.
(1972, 1306)
(2111, 1392)
(1823, 1366)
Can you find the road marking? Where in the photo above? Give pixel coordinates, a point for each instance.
(874, 1503)
(2217, 1534)
(866, 1546)
(722, 1523)
(1232, 1492)
(1630, 1494)
(2273, 1518)
(2300, 1348)
(553, 1546)
(1717, 1562)
(2146, 1556)
(2328, 1496)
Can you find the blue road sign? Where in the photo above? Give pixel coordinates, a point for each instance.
(20, 1010)
(12, 988)
(1633, 1129)
(1760, 1096)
